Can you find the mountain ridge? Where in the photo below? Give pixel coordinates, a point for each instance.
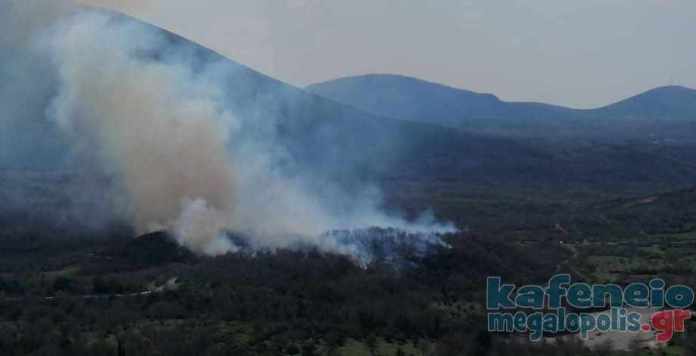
(413, 99)
(333, 142)
(673, 88)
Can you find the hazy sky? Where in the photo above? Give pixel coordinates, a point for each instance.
(580, 53)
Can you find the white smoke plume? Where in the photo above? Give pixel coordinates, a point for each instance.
(161, 130)
(161, 125)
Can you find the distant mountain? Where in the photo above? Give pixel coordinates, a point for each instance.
(667, 103)
(663, 112)
(350, 145)
(413, 99)
(322, 138)
(327, 140)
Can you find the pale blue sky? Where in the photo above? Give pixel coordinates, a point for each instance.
(581, 53)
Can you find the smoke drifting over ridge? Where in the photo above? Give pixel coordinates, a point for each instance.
(159, 120)
(166, 143)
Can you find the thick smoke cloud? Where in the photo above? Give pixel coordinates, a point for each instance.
(159, 120)
(162, 131)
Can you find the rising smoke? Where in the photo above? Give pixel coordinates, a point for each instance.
(158, 120)
(160, 129)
